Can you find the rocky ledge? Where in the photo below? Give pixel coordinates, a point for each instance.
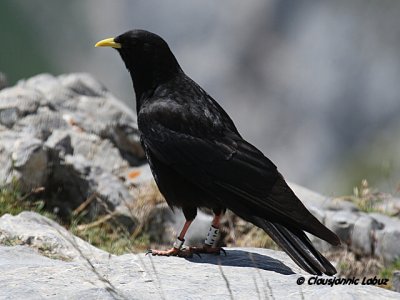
(44, 261)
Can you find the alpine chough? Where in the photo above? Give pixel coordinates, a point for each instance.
(199, 159)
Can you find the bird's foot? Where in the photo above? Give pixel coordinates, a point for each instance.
(184, 252)
(207, 250)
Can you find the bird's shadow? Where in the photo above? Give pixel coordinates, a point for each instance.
(239, 258)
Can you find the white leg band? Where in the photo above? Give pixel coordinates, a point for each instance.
(212, 236)
(178, 243)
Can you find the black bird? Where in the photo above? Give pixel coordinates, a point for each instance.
(199, 159)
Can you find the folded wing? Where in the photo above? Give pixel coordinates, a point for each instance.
(237, 173)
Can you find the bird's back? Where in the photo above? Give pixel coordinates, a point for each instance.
(186, 131)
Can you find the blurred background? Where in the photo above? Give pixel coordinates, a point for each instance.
(313, 84)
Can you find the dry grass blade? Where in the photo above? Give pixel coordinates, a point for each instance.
(84, 204)
(96, 223)
(228, 286)
(34, 191)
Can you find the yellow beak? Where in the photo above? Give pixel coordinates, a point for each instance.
(108, 43)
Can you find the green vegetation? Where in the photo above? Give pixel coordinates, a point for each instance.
(387, 272)
(13, 202)
(366, 198)
(110, 236)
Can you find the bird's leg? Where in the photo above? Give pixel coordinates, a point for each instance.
(211, 239)
(177, 249)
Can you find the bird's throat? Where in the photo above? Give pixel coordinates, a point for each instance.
(149, 72)
(144, 87)
(147, 79)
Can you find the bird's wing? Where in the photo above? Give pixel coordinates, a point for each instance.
(227, 166)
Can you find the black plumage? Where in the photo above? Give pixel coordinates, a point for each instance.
(199, 159)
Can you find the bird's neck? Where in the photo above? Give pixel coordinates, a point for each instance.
(147, 77)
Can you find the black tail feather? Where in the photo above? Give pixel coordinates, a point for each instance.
(298, 246)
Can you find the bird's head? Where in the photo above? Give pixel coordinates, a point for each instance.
(146, 55)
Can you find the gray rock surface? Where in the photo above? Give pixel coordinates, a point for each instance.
(71, 136)
(245, 273)
(15, 103)
(30, 162)
(42, 123)
(365, 234)
(387, 239)
(5, 161)
(23, 157)
(396, 281)
(45, 235)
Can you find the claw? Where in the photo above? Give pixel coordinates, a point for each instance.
(223, 251)
(187, 252)
(171, 252)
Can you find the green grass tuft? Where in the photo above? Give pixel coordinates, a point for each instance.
(387, 272)
(13, 202)
(110, 236)
(366, 198)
